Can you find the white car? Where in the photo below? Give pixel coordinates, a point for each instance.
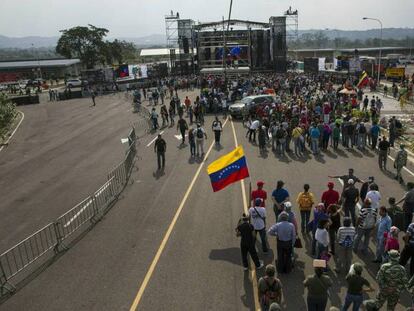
(74, 83)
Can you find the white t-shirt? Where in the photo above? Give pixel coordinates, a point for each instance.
(255, 125)
(257, 222)
(322, 236)
(375, 197)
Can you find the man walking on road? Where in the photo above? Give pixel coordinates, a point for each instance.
(400, 162)
(346, 178)
(160, 147)
(245, 231)
(392, 280)
(93, 95)
(286, 235)
(383, 152)
(182, 125)
(350, 198)
(259, 193)
(366, 222)
(408, 205)
(217, 127)
(200, 136)
(258, 218)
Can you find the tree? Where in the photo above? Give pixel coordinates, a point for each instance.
(85, 43)
(119, 51)
(7, 113)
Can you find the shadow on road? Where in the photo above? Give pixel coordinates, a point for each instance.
(231, 255)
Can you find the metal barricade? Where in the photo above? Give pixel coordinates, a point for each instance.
(17, 258)
(104, 196)
(119, 178)
(129, 159)
(75, 218)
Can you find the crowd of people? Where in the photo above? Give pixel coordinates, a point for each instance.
(311, 113)
(334, 232)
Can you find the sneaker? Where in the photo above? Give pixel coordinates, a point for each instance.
(261, 265)
(246, 268)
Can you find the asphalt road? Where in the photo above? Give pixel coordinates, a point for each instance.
(198, 266)
(60, 154)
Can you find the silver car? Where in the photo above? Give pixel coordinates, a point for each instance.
(239, 108)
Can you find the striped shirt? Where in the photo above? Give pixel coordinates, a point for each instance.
(343, 232)
(363, 215)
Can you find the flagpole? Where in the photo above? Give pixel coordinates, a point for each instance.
(250, 191)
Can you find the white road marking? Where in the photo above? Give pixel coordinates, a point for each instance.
(78, 213)
(20, 122)
(150, 143)
(179, 137)
(406, 169)
(86, 205)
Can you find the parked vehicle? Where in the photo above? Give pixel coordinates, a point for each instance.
(246, 104)
(74, 83)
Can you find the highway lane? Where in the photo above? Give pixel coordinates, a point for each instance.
(107, 264)
(200, 265)
(60, 154)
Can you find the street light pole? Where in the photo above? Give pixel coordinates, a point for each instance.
(380, 51)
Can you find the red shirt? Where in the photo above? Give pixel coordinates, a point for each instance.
(330, 197)
(261, 194)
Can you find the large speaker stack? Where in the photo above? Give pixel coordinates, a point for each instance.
(185, 44)
(311, 65)
(278, 50)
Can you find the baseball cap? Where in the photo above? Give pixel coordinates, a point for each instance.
(260, 183)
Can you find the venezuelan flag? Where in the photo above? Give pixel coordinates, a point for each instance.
(228, 169)
(363, 80)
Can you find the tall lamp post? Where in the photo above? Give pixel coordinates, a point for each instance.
(380, 51)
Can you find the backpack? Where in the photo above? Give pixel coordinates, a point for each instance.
(280, 133)
(347, 242)
(398, 124)
(305, 201)
(199, 133)
(362, 129)
(272, 292)
(370, 220)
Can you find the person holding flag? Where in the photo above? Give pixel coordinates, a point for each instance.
(363, 81)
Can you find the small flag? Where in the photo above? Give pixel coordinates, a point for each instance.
(228, 169)
(363, 80)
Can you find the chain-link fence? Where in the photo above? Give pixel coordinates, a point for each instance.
(21, 260)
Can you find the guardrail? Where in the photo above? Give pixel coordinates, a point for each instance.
(55, 237)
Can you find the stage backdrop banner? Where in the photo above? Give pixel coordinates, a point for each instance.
(321, 63)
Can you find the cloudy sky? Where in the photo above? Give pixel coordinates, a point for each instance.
(126, 18)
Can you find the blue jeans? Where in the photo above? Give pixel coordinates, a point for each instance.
(304, 216)
(356, 300)
(298, 147)
(315, 145)
(380, 249)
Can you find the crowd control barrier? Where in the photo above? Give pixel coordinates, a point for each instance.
(24, 258)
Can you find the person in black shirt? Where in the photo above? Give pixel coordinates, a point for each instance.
(346, 178)
(160, 147)
(247, 243)
(350, 198)
(384, 150)
(182, 125)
